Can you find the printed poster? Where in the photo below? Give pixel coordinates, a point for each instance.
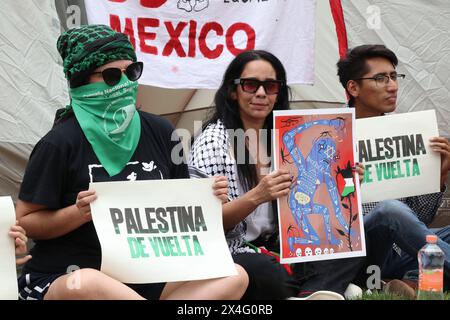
(396, 154)
(321, 218)
(161, 231)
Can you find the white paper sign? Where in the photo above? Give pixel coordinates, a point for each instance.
(189, 43)
(161, 231)
(397, 157)
(8, 273)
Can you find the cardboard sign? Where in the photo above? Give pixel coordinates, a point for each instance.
(161, 231)
(396, 154)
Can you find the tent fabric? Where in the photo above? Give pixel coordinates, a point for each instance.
(421, 41)
(13, 160)
(338, 17)
(32, 83)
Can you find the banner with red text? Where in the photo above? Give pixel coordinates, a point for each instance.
(189, 43)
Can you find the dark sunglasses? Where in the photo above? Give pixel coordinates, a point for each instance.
(252, 85)
(112, 76)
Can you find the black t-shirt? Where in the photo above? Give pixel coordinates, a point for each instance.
(63, 163)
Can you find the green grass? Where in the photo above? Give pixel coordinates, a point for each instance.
(380, 295)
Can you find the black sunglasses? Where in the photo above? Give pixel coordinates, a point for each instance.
(252, 85)
(112, 76)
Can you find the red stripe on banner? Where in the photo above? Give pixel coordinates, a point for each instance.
(338, 17)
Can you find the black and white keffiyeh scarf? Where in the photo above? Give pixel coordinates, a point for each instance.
(212, 154)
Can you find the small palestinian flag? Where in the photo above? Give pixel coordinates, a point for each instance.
(344, 179)
(349, 187)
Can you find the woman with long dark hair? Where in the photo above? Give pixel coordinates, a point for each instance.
(254, 84)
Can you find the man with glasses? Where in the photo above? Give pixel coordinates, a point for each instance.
(395, 230)
(368, 74)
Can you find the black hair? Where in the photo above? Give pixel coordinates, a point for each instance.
(354, 66)
(227, 109)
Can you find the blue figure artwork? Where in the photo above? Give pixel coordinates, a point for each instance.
(314, 171)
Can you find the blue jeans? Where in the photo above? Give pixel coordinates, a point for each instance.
(394, 222)
(390, 222)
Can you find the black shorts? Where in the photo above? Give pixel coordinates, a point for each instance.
(268, 279)
(34, 286)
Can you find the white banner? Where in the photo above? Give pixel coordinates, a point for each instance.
(397, 157)
(189, 43)
(161, 231)
(8, 274)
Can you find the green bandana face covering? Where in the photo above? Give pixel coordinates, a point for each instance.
(109, 120)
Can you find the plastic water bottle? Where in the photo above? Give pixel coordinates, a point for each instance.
(431, 270)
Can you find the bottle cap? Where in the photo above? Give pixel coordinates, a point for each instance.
(431, 238)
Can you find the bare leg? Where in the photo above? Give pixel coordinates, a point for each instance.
(227, 288)
(89, 284)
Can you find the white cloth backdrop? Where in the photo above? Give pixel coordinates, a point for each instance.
(208, 37)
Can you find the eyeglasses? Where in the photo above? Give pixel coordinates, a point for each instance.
(382, 79)
(112, 76)
(252, 85)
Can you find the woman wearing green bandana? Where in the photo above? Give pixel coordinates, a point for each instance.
(99, 137)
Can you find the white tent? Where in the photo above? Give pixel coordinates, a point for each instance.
(33, 84)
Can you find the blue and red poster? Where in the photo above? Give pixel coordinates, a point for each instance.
(321, 218)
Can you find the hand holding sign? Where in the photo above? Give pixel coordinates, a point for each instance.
(83, 203)
(359, 168)
(20, 239)
(442, 145)
(220, 188)
(273, 186)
